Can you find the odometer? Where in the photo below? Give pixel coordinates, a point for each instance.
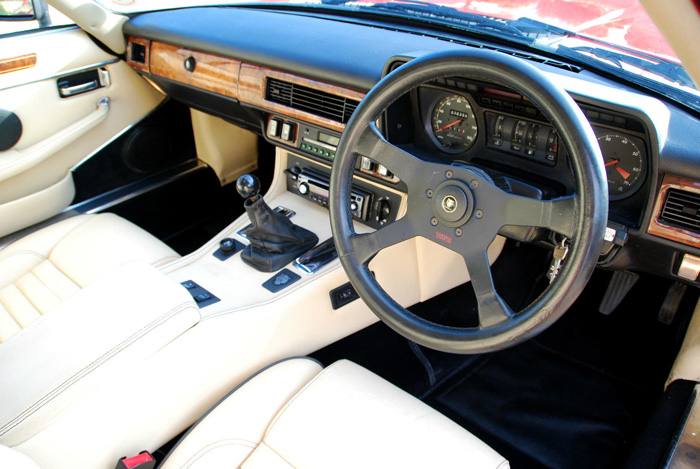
(453, 124)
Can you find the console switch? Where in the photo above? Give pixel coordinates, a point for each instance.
(288, 131)
(274, 127)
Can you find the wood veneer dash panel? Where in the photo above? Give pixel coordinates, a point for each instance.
(251, 89)
(658, 227)
(146, 44)
(17, 63)
(211, 73)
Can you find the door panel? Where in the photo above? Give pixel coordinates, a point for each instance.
(58, 132)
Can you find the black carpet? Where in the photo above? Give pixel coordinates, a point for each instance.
(577, 396)
(541, 409)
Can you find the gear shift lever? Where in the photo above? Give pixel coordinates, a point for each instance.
(274, 240)
(248, 186)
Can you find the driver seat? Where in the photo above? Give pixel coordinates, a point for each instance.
(295, 414)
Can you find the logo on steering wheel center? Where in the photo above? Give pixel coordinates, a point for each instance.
(449, 204)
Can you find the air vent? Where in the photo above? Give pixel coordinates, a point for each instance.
(682, 208)
(306, 99)
(138, 53)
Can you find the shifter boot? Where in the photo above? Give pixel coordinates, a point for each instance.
(274, 239)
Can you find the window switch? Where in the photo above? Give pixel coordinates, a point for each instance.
(343, 295)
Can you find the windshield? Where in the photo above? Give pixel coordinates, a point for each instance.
(616, 36)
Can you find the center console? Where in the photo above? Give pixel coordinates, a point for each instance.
(371, 203)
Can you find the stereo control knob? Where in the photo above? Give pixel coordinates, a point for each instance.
(303, 188)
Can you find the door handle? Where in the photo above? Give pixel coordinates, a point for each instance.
(65, 90)
(83, 82)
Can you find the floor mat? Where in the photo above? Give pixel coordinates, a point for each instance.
(562, 414)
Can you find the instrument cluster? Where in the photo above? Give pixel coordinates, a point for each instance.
(460, 123)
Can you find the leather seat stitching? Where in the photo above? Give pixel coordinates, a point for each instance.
(58, 267)
(218, 444)
(4, 305)
(48, 287)
(25, 252)
(58, 390)
(24, 294)
(289, 404)
(88, 219)
(231, 393)
(278, 455)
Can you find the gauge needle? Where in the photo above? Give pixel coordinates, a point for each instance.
(623, 173)
(450, 125)
(610, 163)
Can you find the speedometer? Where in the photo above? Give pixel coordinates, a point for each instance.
(624, 164)
(453, 123)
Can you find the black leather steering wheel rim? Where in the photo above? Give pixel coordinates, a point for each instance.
(499, 327)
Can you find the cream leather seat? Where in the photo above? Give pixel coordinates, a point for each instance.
(295, 414)
(41, 270)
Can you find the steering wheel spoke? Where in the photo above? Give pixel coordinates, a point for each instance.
(556, 215)
(492, 309)
(365, 246)
(373, 145)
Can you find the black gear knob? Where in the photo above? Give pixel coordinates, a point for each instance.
(248, 186)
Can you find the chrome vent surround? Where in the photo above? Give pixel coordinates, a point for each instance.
(302, 98)
(682, 209)
(138, 53)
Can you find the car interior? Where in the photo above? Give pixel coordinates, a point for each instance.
(304, 236)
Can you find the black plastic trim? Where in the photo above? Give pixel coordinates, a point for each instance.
(661, 432)
(10, 129)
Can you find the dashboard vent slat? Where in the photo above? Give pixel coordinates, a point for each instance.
(138, 53)
(682, 208)
(302, 98)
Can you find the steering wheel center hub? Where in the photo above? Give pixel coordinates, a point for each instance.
(453, 203)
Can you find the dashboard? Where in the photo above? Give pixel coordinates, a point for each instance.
(299, 93)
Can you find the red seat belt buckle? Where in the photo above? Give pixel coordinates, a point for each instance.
(143, 460)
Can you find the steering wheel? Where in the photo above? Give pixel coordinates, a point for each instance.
(459, 207)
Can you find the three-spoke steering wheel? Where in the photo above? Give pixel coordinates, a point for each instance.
(460, 207)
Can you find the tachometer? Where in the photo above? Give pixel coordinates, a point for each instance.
(624, 164)
(454, 125)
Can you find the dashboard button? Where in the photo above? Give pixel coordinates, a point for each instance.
(288, 130)
(274, 126)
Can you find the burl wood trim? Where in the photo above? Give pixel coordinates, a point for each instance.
(17, 63)
(658, 227)
(212, 72)
(251, 90)
(145, 43)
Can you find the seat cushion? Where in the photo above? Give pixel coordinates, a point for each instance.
(43, 269)
(296, 415)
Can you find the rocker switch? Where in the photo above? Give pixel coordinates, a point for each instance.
(288, 131)
(274, 127)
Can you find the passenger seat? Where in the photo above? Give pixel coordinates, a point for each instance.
(41, 270)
